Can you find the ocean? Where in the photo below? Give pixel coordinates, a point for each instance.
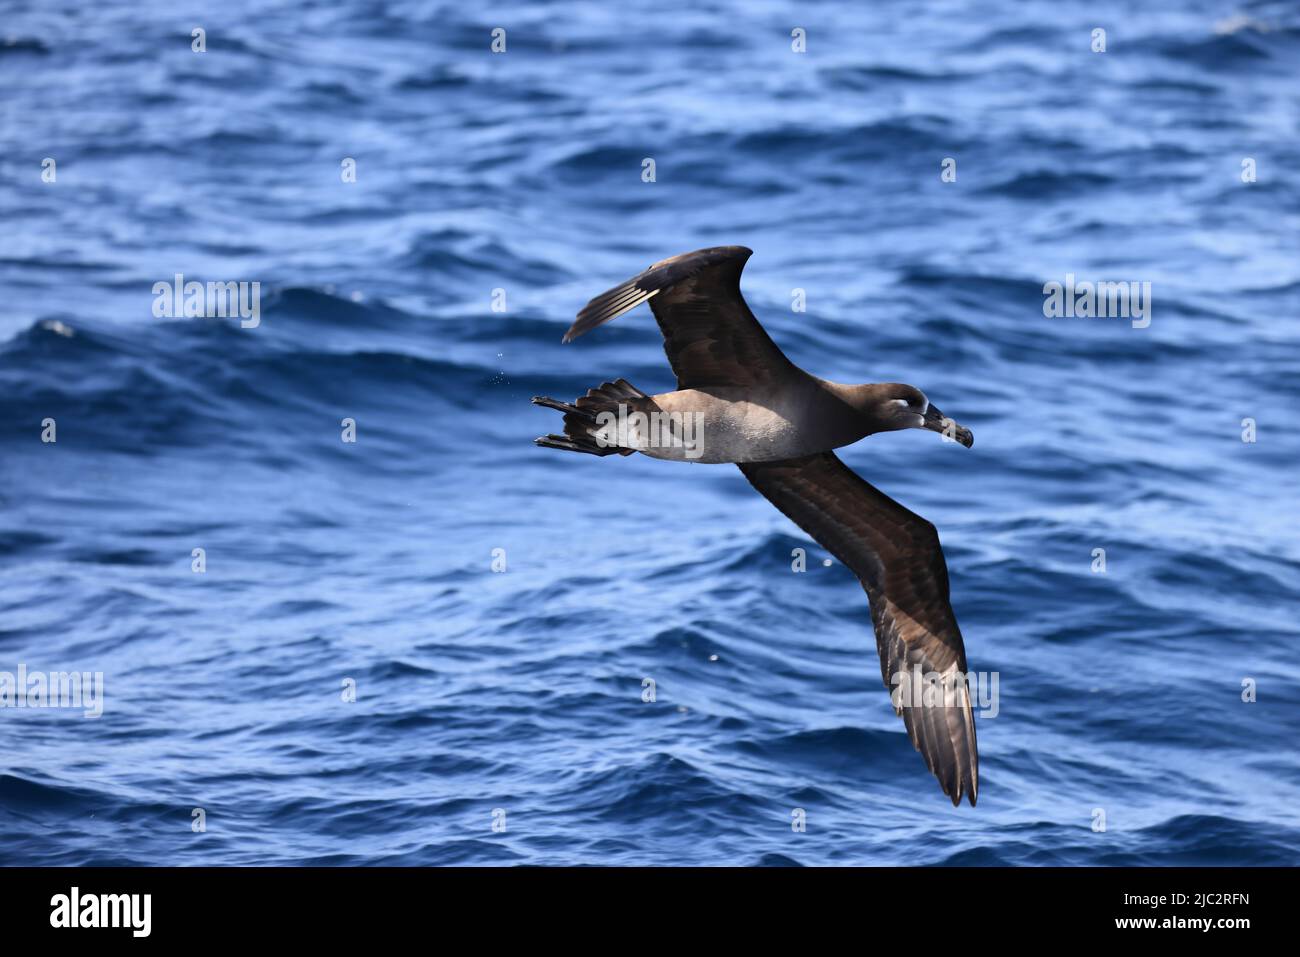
(434, 645)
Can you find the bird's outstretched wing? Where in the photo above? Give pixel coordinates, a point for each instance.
(711, 337)
(896, 555)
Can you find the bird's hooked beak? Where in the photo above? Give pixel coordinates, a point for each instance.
(936, 421)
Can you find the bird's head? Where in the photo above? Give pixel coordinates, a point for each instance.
(896, 405)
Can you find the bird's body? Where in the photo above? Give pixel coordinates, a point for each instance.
(740, 400)
(736, 424)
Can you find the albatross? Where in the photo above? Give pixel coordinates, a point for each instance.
(740, 400)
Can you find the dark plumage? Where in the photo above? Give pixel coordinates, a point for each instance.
(779, 425)
(896, 555)
(710, 336)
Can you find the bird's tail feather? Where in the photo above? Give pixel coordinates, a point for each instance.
(583, 431)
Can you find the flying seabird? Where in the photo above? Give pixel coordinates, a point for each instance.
(739, 399)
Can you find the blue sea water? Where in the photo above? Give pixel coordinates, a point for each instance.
(515, 697)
